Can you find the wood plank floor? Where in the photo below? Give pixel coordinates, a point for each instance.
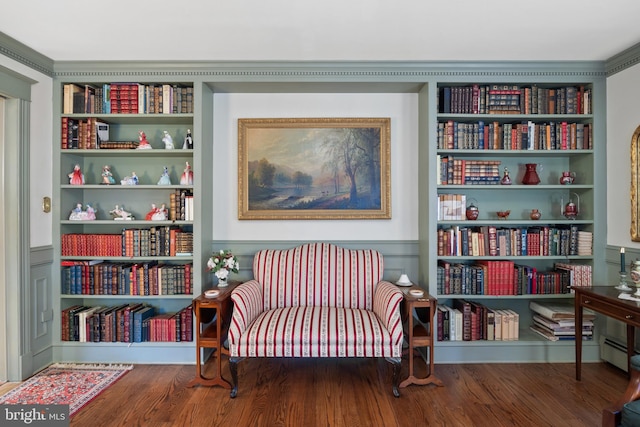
(357, 392)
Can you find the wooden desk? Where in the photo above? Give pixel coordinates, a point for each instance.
(604, 300)
(212, 317)
(419, 334)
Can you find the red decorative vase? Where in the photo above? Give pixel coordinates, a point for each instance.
(531, 176)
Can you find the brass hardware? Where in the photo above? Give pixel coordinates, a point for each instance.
(628, 316)
(46, 204)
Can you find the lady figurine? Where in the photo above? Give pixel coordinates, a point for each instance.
(168, 141)
(107, 176)
(91, 213)
(144, 144)
(161, 214)
(153, 211)
(187, 175)
(164, 178)
(130, 180)
(76, 177)
(188, 141)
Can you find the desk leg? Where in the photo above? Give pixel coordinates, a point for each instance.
(578, 307)
(631, 345)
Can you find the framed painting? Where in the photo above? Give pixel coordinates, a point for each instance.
(635, 185)
(314, 168)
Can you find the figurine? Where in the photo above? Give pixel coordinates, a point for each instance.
(77, 214)
(164, 178)
(506, 180)
(157, 214)
(119, 214)
(188, 141)
(154, 210)
(107, 176)
(91, 213)
(187, 175)
(168, 141)
(162, 214)
(130, 180)
(76, 177)
(144, 144)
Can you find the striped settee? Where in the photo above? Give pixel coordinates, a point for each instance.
(316, 300)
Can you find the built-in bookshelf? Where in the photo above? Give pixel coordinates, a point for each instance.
(125, 234)
(485, 136)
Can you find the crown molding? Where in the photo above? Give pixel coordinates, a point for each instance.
(623, 60)
(23, 54)
(326, 71)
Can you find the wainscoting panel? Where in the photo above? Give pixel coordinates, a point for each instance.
(400, 257)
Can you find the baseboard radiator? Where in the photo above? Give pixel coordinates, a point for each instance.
(613, 352)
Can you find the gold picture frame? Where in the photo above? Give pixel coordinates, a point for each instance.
(314, 168)
(635, 186)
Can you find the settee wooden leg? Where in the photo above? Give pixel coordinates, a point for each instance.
(397, 365)
(233, 366)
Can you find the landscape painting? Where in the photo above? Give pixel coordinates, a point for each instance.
(314, 168)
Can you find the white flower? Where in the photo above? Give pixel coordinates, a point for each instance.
(223, 260)
(223, 273)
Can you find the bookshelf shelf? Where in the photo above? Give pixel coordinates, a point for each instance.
(513, 153)
(125, 153)
(138, 187)
(136, 119)
(515, 187)
(507, 297)
(127, 297)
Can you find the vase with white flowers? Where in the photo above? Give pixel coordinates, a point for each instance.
(222, 263)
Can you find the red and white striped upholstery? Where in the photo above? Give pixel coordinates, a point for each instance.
(316, 300)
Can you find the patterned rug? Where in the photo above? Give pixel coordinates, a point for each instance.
(62, 384)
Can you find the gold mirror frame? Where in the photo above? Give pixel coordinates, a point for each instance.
(635, 175)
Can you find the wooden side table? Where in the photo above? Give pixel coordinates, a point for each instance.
(419, 334)
(212, 317)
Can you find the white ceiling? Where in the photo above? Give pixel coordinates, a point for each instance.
(298, 30)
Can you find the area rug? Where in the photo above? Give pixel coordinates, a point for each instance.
(66, 384)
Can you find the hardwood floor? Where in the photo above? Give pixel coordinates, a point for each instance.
(357, 392)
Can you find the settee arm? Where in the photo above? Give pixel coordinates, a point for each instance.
(386, 305)
(248, 303)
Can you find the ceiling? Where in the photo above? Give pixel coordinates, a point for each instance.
(329, 30)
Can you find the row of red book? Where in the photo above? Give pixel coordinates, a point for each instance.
(102, 278)
(133, 322)
(514, 99)
(127, 98)
(155, 241)
(503, 277)
(514, 136)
